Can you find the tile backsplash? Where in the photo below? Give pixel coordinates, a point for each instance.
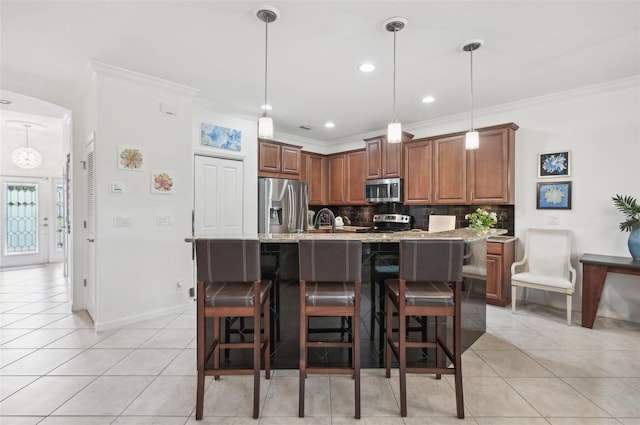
(363, 215)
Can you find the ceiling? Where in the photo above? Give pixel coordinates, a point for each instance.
(531, 49)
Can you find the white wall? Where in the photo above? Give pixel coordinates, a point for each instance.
(138, 267)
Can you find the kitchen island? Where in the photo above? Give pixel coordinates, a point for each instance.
(375, 245)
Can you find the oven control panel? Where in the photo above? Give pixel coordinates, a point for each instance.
(392, 218)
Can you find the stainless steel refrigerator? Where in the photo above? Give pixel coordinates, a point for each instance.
(282, 206)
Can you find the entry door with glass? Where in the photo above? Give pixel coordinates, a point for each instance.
(25, 227)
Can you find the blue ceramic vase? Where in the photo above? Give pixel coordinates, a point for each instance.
(634, 243)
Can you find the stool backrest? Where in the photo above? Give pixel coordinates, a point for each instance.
(431, 259)
(228, 260)
(334, 260)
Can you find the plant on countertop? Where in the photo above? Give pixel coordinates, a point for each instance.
(628, 205)
(482, 219)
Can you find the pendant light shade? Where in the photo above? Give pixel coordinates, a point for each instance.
(26, 157)
(266, 14)
(472, 139)
(265, 127)
(394, 129)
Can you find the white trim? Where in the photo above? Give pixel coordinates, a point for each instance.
(103, 68)
(125, 321)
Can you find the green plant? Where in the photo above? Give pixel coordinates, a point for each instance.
(628, 206)
(482, 219)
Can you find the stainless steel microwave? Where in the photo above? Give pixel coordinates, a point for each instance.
(383, 190)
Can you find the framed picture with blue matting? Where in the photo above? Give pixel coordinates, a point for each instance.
(554, 196)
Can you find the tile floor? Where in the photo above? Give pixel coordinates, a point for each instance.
(529, 368)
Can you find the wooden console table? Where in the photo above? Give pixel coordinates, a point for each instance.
(594, 272)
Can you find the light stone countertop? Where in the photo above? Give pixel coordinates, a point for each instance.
(465, 234)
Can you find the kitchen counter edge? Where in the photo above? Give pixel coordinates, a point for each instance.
(466, 234)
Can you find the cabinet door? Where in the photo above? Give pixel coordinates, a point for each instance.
(418, 158)
(355, 178)
(317, 180)
(337, 168)
(268, 157)
(494, 279)
(489, 180)
(304, 167)
(392, 160)
(290, 157)
(374, 158)
(450, 170)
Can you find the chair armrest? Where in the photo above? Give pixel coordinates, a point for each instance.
(572, 273)
(517, 264)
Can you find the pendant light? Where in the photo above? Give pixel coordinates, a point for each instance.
(394, 130)
(266, 14)
(26, 157)
(472, 139)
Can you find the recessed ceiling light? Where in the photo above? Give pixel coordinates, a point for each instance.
(329, 124)
(428, 99)
(366, 67)
(266, 107)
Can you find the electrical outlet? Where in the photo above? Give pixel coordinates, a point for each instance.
(553, 220)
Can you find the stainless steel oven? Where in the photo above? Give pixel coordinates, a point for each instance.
(383, 190)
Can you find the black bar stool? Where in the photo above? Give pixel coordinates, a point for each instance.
(429, 285)
(330, 279)
(229, 285)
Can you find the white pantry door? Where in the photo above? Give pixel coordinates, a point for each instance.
(218, 197)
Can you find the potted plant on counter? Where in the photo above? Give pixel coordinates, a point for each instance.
(628, 205)
(482, 219)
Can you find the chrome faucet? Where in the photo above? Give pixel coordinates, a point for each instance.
(332, 219)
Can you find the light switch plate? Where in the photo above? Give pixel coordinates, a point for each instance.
(164, 220)
(117, 187)
(121, 221)
(552, 220)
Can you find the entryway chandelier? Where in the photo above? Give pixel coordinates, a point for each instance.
(26, 157)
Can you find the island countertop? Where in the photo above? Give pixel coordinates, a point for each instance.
(466, 234)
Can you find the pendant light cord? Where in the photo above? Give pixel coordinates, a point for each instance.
(266, 58)
(394, 75)
(471, 77)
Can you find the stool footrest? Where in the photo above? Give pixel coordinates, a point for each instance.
(329, 370)
(329, 344)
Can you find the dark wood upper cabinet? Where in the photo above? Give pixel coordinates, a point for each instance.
(384, 159)
(337, 182)
(278, 160)
(418, 172)
(450, 170)
(313, 171)
(491, 167)
(355, 177)
(436, 170)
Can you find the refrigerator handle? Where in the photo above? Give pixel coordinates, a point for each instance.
(290, 208)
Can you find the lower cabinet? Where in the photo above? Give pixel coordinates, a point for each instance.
(500, 256)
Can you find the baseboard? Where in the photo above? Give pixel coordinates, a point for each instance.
(129, 320)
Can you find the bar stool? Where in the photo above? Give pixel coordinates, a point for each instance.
(330, 279)
(269, 270)
(383, 267)
(429, 285)
(229, 285)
